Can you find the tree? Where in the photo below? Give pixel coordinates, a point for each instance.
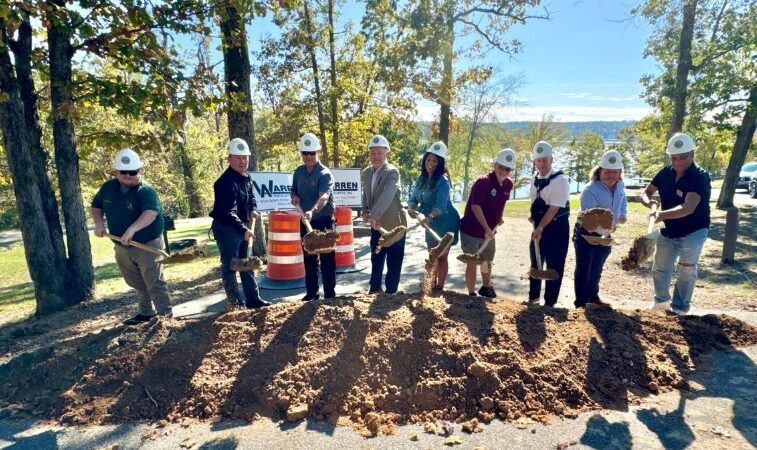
(477, 102)
(582, 155)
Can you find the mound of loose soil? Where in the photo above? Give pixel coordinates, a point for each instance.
(369, 362)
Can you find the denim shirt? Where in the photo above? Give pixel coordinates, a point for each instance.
(597, 195)
(429, 199)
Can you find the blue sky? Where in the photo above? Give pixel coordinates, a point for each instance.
(583, 64)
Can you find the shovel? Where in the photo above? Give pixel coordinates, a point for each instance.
(250, 263)
(643, 246)
(475, 258)
(536, 272)
(316, 241)
(444, 243)
(388, 238)
(156, 251)
(599, 240)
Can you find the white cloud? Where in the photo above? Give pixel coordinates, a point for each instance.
(599, 98)
(428, 111)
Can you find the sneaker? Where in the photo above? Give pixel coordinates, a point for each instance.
(375, 291)
(308, 298)
(139, 318)
(678, 312)
(472, 294)
(166, 315)
(487, 291)
(660, 306)
(258, 304)
(532, 302)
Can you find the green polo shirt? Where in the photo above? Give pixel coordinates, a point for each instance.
(123, 208)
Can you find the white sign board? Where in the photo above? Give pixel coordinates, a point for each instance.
(272, 188)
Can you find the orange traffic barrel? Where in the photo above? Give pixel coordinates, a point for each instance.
(345, 245)
(285, 260)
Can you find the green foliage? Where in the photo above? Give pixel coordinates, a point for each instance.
(582, 155)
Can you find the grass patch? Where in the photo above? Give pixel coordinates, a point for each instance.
(17, 290)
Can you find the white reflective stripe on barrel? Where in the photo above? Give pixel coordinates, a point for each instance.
(280, 236)
(285, 259)
(345, 248)
(343, 228)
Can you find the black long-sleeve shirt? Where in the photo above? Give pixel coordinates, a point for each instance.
(234, 200)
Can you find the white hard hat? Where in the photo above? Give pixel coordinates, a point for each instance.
(541, 149)
(238, 147)
(127, 159)
(309, 143)
(378, 141)
(506, 157)
(680, 143)
(611, 160)
(438, 149)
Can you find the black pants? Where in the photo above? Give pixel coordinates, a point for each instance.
(393, 257)
(554, 249)
(327, 262)
(231, 244)
(590, 260)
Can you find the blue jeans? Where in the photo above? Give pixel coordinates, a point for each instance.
(590, 261)
(687, 250)
(231, 244)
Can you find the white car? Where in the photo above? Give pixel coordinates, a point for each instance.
(747, 174)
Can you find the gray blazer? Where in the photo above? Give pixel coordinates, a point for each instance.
(383, 202)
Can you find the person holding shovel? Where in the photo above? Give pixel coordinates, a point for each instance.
(550, 210)
(431, 196)
(382, 208)
(607, 191)
(234, 206)
(483, 212)
(312, 189)
(684, 190)
(134, 213)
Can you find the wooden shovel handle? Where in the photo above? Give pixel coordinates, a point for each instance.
(249, 239)
(308, 227)
(538, 254)
(140, 246)
(419, 216)
(650, 226)
(487, 240)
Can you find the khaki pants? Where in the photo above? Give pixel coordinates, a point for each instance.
(141, 272)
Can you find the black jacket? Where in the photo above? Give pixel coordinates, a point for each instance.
(234, 200)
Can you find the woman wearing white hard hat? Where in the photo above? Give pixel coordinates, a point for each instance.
(431, 196)
(684, 190)
(550, 210)
(605, 190)
(484, 210)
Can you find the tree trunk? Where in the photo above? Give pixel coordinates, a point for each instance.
(466, 166)
(684, 66)
(740, 149)
(22, 51)
(236, 67)
(445, 90)
(47, 268)
(187, 169)
(67, 162)
(334, 88)
(317, 82)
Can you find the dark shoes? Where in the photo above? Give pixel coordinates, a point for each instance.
(258, 304)
(139, 318)
(487, 291)
(308, 298)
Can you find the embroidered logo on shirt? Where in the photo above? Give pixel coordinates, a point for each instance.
(679, 192)
(129, 205)
(494, 192)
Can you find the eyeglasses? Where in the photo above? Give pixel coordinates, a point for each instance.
(308, 153)
(132, 173)
(501, 167)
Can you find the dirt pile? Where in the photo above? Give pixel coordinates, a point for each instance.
(369, 362)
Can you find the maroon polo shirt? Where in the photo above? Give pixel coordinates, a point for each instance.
(491, 197)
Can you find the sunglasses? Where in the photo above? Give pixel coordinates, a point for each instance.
(501, 167)
(308, 153)
(132, 173)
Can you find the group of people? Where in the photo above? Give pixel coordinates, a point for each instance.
(134, 213)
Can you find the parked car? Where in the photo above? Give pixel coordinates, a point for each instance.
(747, 174)
(753, 188)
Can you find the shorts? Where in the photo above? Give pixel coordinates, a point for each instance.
(471, 244)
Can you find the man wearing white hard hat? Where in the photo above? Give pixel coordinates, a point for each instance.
(233, 207)
(684, 190)
(431, 196)
(134, 213)
(605, 190)
(382, 208)
(485, 210)
(550, 211)
(312, 189)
